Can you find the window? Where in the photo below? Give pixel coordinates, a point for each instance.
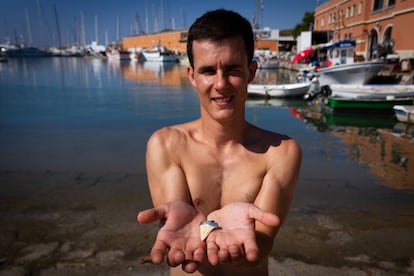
(360, 8)
(378, 4)
(322, 22)
(391, 3)
(352, 10)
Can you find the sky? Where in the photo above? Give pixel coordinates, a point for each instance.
(54, 22)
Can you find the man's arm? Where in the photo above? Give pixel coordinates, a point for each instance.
(277, 189)
(167, 181)
(178, 237)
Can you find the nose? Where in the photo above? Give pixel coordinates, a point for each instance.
(221, 80)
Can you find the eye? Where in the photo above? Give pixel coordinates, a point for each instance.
(207, 71)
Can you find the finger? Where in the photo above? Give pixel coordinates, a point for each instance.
(224, 255)
(190, 266)
(175, 257)
(212, 252)
(199, 255)
(251, 249)
(264, 217)
(158, 252)
(151, 215)
(235, 252)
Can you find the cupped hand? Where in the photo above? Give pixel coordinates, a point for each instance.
(178, 238)
(236, 239)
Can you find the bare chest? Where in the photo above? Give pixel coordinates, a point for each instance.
(214, 182)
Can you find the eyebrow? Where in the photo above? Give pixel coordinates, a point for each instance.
(226, 67)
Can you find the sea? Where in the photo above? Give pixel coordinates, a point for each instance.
(85, 116)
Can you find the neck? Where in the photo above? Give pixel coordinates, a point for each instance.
(222, 133)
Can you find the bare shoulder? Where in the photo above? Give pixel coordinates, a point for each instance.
(170, 138)
(283, 155)
(274, 142)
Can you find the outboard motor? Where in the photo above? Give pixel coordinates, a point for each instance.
(314, 89)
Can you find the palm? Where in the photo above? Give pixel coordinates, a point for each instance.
(237, 237)
(178, 237)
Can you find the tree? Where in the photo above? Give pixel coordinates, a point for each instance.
(305, 25)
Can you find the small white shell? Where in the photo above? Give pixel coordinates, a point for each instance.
(206, 227)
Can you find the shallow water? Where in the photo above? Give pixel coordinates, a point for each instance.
(72, 128)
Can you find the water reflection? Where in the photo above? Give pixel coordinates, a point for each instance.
(174, 74)
(378, 141)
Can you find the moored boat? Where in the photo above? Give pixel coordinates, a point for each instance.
(404, 113)
(367, 104)
(278, 90)
(117, 54)
(159, 54)
(338, 66)
(371, 91)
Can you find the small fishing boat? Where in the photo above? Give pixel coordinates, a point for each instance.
(160, 54)
(118, 54)
(374, 91)
(367, 104)
(404, 113)
(278, 90)
(340, 68)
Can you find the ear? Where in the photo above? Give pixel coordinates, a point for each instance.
(190, 75)
(252, 70)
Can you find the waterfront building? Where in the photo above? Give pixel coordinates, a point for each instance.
(266, 39)
(374, 24)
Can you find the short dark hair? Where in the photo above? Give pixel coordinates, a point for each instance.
(217, 25)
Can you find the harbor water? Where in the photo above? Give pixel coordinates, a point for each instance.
(72, 172)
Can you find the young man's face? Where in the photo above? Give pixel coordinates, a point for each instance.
(221, 74)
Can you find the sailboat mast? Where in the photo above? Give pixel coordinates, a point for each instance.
(58, 27)
(96, 28)
(29, 31)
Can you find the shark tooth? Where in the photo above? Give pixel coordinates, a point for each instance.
(206, 227)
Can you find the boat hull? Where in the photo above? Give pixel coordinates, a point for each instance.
(371, 91)
(357, 73)
(366, 104)
(278, 90)
(158, 57)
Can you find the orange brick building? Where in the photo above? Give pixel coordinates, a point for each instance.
(173, 40)
(176, 41)
(369, 22)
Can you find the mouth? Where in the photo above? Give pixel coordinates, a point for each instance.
(223, 100)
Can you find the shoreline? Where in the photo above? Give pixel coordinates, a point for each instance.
(76, 224)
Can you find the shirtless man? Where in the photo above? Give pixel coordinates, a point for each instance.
(219, 167)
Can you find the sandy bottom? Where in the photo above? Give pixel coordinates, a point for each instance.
(68, 223)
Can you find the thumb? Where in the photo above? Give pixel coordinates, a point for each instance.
(151, 215)
(264, 217)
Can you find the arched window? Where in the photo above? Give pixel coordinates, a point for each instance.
(387, 34)
(373, 44)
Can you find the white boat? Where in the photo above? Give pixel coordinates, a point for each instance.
(356, 73)
(340, 68)
(404, 113)
(116, 54)
(278, 90)
(371, 91)
(159, 54)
